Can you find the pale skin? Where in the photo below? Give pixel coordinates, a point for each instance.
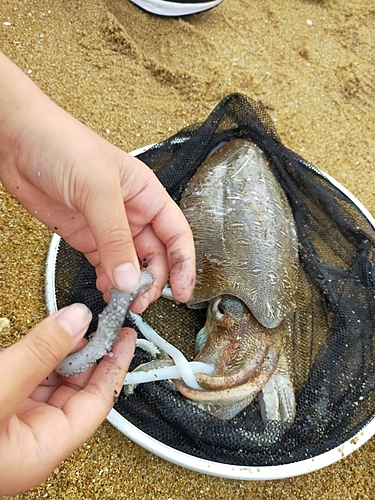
(108, 205)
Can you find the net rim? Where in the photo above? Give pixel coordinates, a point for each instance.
(258, 473)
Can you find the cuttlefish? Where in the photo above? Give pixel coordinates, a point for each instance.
(247, 266)
(248, 275)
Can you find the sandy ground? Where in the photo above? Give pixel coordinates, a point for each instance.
(135, 79)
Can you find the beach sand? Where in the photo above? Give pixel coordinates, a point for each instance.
(135, 79)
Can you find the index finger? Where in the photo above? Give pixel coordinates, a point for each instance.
(168, 224)
(173, 230)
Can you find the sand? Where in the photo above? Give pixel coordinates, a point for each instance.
(135, 79)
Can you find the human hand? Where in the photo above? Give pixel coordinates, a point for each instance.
(44, 417)
(102, 201)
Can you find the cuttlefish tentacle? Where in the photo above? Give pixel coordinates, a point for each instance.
(146, 367)
(109, 323)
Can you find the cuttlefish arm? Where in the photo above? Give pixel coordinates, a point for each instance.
(234, 342)
(233, 395)
(277, 398)
(272, 382)
(109, 323)
(244, 353)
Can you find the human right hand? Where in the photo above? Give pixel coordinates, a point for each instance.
(101, 200)
(43, 416)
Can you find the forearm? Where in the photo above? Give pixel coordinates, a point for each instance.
(20, 101)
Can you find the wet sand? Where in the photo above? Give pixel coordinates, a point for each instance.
(135, 79)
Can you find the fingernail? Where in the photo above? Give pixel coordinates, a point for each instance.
(126, 277)
(74, 318)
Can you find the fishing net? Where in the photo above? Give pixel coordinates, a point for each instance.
(334, 358)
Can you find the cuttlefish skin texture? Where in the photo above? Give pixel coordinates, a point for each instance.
(244, 232)
(247, 263)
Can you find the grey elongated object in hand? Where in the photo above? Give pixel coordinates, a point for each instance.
(109, 323)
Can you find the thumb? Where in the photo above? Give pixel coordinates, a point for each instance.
(25, 364)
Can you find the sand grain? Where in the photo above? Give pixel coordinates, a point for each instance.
(136, 79)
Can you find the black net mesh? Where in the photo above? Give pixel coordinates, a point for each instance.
(335, 374)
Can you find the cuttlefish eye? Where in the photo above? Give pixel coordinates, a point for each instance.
(218, 309)
(228, 305)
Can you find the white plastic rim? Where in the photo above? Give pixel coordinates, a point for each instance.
(259, 473)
